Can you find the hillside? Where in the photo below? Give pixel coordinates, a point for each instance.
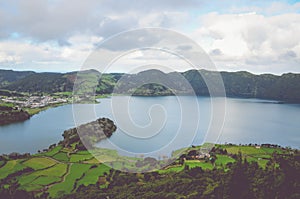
(42, 82)
(55, 170)
(243, 84)
(9, 76)
(231, 171)
(237, 84)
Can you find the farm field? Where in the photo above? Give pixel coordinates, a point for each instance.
(68, 184)
(62, 170)
(39, 163)
(10, 167)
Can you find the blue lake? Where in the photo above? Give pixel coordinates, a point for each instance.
(161, 124)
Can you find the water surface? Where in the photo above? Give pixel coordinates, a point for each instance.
(247, 121)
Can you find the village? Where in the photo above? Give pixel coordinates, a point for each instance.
(34, 101)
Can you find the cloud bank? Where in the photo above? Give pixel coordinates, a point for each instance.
(59, 35)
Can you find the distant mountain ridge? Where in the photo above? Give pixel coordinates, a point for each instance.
(9, 76)
(237, 84)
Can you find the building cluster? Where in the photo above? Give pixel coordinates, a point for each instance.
(34, 101)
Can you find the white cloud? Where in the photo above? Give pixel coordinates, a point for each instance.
(140, 60)
(164, 19)
(22, 53)
(274, 8)
(58, 20)
(251, 40)
(63, 33)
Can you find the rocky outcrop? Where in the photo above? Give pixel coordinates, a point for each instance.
(87, 135)
(11, 115)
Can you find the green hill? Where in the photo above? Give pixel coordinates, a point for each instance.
(9, 76)
(231, 171)
(41, 82)
(154, 82)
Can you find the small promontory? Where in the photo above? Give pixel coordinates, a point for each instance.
(11, 115)
(86, 135)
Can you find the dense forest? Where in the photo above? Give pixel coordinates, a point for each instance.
(153, 82)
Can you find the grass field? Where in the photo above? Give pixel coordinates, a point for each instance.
(61, 156)
(57, 171)
(92, 161)
(197, 163)
(83, 153)
(171, 169)
(79, 157)
(10, 167)
(264, 156)
(272, 150)
(45, 180)
(31, 187)
(245, 150)
(76, 171)
(251, 150)
(260, 155)
(52, 152)
(261, 162)
(33, 111)
(39, 163)
(2, 163)
(7, 104)
(92, 175)
(58, 174)
(223, 160)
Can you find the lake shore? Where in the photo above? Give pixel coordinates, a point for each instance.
(20, 114)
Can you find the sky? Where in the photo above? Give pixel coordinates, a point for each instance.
(60, 35)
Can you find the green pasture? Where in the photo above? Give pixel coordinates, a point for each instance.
(92, 175)
(169, 169)
(61, 156)
(57, 170)
(52, 152)
(223, 160)
(197, 163)
(76, 171)
(10, 167)
(39, 163)
(78, 157)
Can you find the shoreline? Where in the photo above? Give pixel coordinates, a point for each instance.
(35, 111)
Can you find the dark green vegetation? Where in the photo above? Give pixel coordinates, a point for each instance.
(243, 179)
(237, 84)
(59, 170)
(227, 171)
(89, 133)
(43, 82)
(9, 76)
(10, 114)
(152, 90)
(31, 82)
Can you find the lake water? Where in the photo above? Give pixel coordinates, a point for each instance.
(160, 125)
